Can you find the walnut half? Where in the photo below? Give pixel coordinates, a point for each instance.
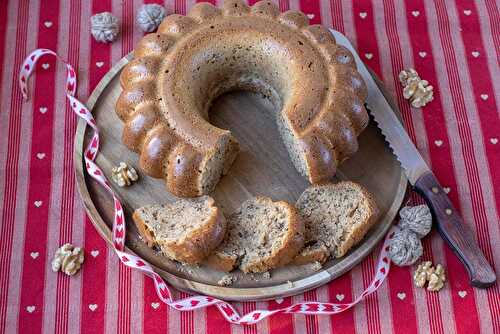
(418, 91)
(68, 259)
(427, 273)
(437, 279)
(123, 175)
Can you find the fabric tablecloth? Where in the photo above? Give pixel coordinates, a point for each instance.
(455, 45)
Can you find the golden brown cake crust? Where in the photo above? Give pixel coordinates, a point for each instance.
(194, 247)
(178, 71)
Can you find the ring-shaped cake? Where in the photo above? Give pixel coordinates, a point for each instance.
(177, 72)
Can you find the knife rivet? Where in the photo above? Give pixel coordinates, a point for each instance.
(448, 212)
(435, 190)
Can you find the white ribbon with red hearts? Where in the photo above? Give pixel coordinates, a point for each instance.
(130, 260)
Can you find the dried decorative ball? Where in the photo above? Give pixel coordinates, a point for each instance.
(417, 219)
(150, 16)
(104, 27)
(405, 248)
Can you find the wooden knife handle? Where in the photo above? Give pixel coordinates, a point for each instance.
(456, 233)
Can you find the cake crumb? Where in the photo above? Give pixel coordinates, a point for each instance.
(266, 275)
(290, 284)
(226, 280)
(314, 266)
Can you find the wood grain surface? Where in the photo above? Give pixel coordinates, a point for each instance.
(262, 168)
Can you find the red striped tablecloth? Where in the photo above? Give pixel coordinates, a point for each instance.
(455, 45)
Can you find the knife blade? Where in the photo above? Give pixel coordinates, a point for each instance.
(450, 225)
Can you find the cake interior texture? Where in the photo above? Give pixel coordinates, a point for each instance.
(187, 230)
(261, 235)
(173, 222)
(336, 216)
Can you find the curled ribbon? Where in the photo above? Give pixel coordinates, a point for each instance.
(130, 260)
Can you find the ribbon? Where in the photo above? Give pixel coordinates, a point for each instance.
(133, 261)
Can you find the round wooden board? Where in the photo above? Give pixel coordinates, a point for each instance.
(262, 168)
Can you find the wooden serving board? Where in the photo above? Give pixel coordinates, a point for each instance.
(262, 168)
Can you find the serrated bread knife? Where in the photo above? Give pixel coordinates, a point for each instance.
(449, 223)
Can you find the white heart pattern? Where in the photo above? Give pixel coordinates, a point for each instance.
(155, 305)
(363, 15)
(475, 54)
(40, 155)
(447, 189)
(48, 24)
(494, 140)
(438, 142)
(45, 66)
(92, 307)
(38, 203)
(340, 297)
(31, 308)
(43, 110)
(401, 295)
(310, 16)
(415, 13)
(279, 300)
(34, 255)
(484, 97)
(99, 63)
(422, 54)
(462, 293)
(467, 12)
(369, 56)
(94, 253)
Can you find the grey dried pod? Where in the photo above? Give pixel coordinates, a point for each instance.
(150, 16)
(104, 27)
(417, 219)
(405, 248)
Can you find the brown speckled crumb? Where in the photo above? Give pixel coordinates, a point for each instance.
(246, 248)
(227, 280)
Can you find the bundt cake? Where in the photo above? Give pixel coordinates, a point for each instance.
(178, 71)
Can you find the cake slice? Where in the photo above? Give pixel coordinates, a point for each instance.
(336, 216)
(186, 231)
(262, 235)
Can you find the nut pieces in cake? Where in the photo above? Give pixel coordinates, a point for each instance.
(124, 175)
